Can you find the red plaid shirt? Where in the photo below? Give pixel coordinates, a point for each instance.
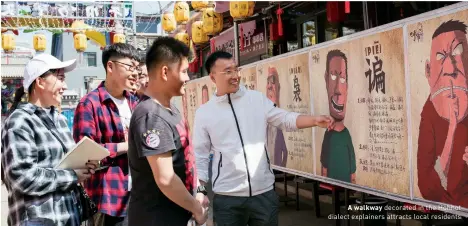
(97, 117)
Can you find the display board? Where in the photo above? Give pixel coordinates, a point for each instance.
(399, 96)
(361, 84)
(438, 69)
(285, 81)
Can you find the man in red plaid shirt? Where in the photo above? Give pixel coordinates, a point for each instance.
(104, 116)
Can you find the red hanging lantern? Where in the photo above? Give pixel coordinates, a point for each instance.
(280, 22)
(274, 31)
(335, 12)
(212, 45)
(348, 7)
(201, 58)
(241, 41)
(193, 67)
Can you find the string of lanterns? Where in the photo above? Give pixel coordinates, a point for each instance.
(210, 25)
(80, 40)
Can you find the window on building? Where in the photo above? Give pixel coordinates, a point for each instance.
(90, 59)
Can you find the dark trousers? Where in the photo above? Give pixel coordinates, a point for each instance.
(259, 210)
(114, 221)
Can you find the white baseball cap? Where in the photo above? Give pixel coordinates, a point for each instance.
(42, 63)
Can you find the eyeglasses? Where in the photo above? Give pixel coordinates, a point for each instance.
(231, 72)
(130, 67)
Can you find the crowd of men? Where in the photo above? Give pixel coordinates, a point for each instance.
(156, 173)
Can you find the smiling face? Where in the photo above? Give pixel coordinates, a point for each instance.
(225, 74)
(51, 88)
(446, 73)
(123, 73)
(336, 79)
(177, 76)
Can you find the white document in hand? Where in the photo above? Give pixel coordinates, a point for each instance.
(81, 153)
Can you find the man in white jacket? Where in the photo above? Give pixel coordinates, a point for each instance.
(232, 124)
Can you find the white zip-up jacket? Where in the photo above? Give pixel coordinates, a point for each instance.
(240, 168)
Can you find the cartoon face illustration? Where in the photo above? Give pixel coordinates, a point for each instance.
(205, 96)
(446, 70)
(273, 85)
(336, 79)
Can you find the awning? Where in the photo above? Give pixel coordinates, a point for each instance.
(12, 70)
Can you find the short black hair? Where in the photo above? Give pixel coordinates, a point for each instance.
(448, 26)
(166, 50)
(337, 53)
(211, 60)
(204, 87)
(118, 50)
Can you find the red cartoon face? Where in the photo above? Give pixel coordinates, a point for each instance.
(446, 73)
(273, 85)
(337, 87)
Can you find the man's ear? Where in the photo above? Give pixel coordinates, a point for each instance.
(213, 79)
(164, 70)
(109, 66)
(428, 69)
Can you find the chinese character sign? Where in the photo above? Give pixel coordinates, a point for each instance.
(438, 68)
(361, 84)
(286, 83)
(254, 42)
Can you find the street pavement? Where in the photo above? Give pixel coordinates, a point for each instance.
(288, 215)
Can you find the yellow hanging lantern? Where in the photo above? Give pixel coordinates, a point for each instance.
(80, 41)
(169, 22)
(119, 38)
(212, 21)
(199, 5)
(198, 35)
(220, 24)
(241, 9)
(181, 12)
(251, 7)
(183, 37)
(8, 42)
(39, 42)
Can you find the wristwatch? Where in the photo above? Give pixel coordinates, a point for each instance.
(201, 189)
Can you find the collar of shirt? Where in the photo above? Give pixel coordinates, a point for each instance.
(240, 92)
(104, 95)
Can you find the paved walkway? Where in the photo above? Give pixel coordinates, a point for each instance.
(288, 215)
